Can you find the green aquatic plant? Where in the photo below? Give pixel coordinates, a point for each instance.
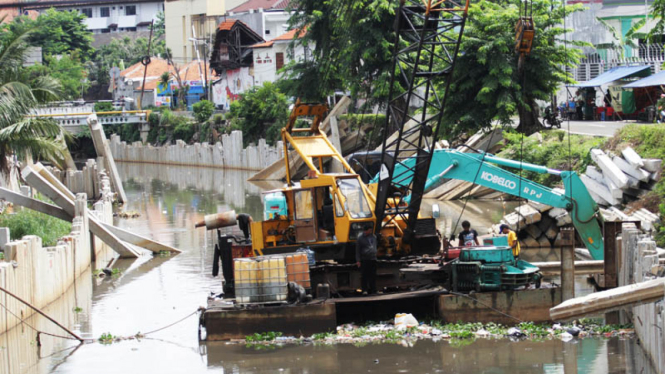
(106, 338)
(263, 337)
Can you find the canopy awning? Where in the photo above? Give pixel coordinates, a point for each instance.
(615, 74)
(650, 81)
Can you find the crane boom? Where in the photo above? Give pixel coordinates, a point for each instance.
(428, 36)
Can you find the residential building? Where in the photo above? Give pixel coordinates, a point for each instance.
(268, 18)
(192, 19)
(621, 15)
(232, 59)
(242, 65)
(106, 16)
(126, 84)
(271, 56)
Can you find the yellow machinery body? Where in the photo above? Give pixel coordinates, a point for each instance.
(325, 211)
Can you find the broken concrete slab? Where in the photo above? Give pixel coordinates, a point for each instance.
(43, 186)
(530, 214)
(599, 190)
(652, 165)
(102, 148)
(595, 174)
(632, 157)
(609, 169)
(635, 172)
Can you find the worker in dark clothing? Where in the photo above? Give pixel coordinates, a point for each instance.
(243, 222)
(468, 237)
(366, 259)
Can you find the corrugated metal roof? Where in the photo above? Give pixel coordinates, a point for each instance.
(615, 74)
(653, 80)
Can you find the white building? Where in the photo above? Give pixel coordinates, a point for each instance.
(109, 16)
(271, 56)
(267, 18)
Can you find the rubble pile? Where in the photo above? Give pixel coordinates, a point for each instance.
(612, 183)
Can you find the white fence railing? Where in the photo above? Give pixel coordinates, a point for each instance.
(592, 65)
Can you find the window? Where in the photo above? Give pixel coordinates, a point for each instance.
(87, 12)
(130, 10)
(105, 31)
(279, 59)
(339, 211)
(355, 203)
(304, 208)
(267, 32)
(104, 12)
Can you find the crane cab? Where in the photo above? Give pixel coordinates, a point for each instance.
(326, 213)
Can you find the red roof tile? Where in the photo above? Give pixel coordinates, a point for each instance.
(263, 45)
(263, 4)
(289, 35)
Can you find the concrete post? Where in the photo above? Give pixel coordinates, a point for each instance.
(568, 264)
(81, 211)
(4, 237)
(103, 149)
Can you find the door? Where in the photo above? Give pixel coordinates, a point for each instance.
(304, 216)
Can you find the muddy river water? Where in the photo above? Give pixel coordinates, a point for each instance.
(153, 292)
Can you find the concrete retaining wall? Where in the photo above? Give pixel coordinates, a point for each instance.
(229, 153)
(41, 275)
(87, 180)
(639, 263)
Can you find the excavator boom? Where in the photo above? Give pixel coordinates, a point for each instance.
(473, 167)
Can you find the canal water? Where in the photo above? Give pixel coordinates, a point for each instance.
(153, 292)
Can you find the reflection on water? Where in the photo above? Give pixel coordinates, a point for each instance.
(466, 356)
(153, 292)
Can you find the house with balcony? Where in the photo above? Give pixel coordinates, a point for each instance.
(106, 16)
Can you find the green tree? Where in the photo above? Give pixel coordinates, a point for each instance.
(352, 52)
(487, 83)
(57, 33)
(68, 70)
(159, 28)
(203, 110)
(261, 111)
(20, 134)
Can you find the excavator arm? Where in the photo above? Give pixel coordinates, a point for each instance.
(473, 167)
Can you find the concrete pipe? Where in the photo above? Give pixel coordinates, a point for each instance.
(219, 220)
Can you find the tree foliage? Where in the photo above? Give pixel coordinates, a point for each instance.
(21, 135)
(260, 113)
(68, 70)
(488, 85)
(352, 48)
(353, 51)
(57, 33)
(203, 110)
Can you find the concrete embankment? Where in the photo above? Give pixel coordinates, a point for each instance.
(40, 275)
(229, 153)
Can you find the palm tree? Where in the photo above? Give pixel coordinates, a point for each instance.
(164, 82)
(20, 134)
(620, 42)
